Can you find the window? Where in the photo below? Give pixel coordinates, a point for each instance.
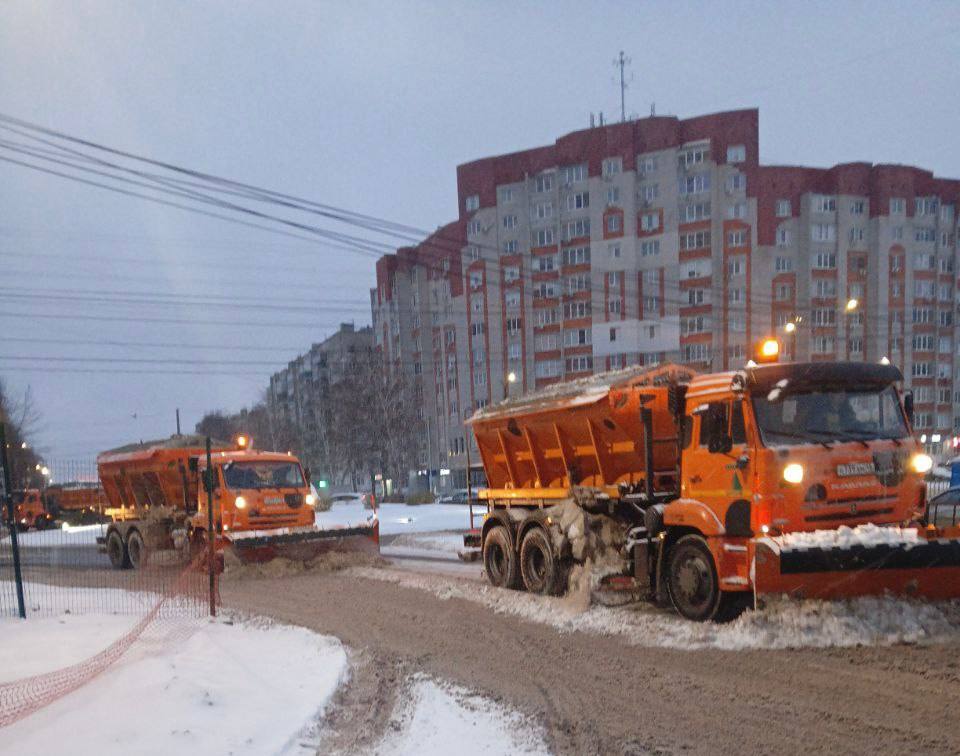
(825, 261)
(736, 238)
(578, 201)
(545, 263)
(543, 237)
(573, 337)
(613, 223)
(925, 235)
(581, 364)
(480, 377)
(574, 173)
(898, 206)
(924, 261)
(923, 342)
(543, 183)
(647, 164)
(783, 237)
(577, 310)
(783, 264)
(783, 292)
(857, 234)
(545, 290)
(823, 232)
(474, 228)
(514, 325)
(922, 315)
(736, 153)
(826, 288)
(896, 263)
(612, 166)
(576, 229)
(579, 282)
(735, 266)
(696, 353)
(695, 212)
(924, 289)
(824, 204)
(613, 250)
(896, 233)
(478, 329)
(650, 248)
(737, 182)
(472, 203)
(925, 206)
(505, 193)
(922, 369)
(546, 342)
(694, 155)
(541, 211)
(547, 369)
(695, 184)
(857, 207)
(473, 252)
(696, 268)
(737, 211)
(510, 247)
(476, 305)
(736, 295)
(614, 278)
(649, 221)
(649, 192)
(547, 316)
(946, 213)
(512, 298)
(576, 255)
(824, 317)
(695, 240)
(696, 296)
(511, 274)
(476, 280)
(509, 221)
(696, 324)
(615, 306)
(823, 344)
(855, 345)
(613, 195)
(783, 208)
(613, 334)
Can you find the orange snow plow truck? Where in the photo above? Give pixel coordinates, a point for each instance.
(712, 492)
(263, 504)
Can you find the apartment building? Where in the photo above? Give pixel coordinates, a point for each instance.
(666, 239)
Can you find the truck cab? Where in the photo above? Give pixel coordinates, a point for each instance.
(29, 510)
(254, 491)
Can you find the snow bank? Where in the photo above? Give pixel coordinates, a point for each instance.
(68, 535)
(845, 537)
(400, 518)
(429, 543)
(444, 719)
(213, 687)
(863, 621)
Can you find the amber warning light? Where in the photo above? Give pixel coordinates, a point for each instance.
(768, 350)
(243, 442)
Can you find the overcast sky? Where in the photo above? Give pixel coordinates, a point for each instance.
(370, 106)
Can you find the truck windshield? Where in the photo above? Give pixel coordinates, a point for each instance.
(818, 417)
(253, 475)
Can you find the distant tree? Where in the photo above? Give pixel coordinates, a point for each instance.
(20, 417)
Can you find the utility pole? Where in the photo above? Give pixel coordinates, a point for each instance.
(621, 62)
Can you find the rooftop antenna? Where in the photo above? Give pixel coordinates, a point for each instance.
(621, 62)
(653, 109)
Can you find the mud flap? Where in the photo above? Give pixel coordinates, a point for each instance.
(929, 570)
(306, 544)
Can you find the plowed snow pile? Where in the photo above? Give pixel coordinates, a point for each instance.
(863, 621)
(845, 537)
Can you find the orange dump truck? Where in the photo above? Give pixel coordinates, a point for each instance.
(76, 503)
(262, 504)
(714, 491)
(29, 510)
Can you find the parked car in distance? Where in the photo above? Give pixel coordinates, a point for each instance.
(351, 497)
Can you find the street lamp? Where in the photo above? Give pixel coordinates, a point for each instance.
(511, 377)
(852, 304)
(884, 360)
(790, 327)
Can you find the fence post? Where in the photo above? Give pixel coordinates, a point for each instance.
(6, 497)
(211, 535)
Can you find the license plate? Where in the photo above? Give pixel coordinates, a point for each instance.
(273, 500)
(855, 468)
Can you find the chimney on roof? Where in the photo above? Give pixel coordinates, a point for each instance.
(592, 122)
(601, 118)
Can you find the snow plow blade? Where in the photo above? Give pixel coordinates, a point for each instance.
(304, 544)
(928, 569)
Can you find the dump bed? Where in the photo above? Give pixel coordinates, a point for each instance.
(152, 474)
(587, 432)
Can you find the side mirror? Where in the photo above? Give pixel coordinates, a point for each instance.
(908, 406)
(306, 474)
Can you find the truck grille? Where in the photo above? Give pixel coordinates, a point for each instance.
(273, 520)
(293, 500)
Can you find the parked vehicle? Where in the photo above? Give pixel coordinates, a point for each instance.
(29, 510)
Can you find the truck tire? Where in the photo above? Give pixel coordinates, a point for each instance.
(117, 551)
(137, 551)
(500, 560)
(539, 568)
(692, 581)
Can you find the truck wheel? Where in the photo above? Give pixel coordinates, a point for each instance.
(137, 550)
(692, 579)
(117, 552)
(500, 559)
(538, 567)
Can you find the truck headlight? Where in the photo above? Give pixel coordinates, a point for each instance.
(793, 473)
(921, 463)
(240, 502)
(310, 499)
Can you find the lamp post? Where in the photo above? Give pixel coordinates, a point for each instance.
(509, 378)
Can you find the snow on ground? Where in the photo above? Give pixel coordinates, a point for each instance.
(400, 518)
(844, 537)
(437, 544)
(68, 535)
(789, 624)
(198, 686)
(442, 719)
